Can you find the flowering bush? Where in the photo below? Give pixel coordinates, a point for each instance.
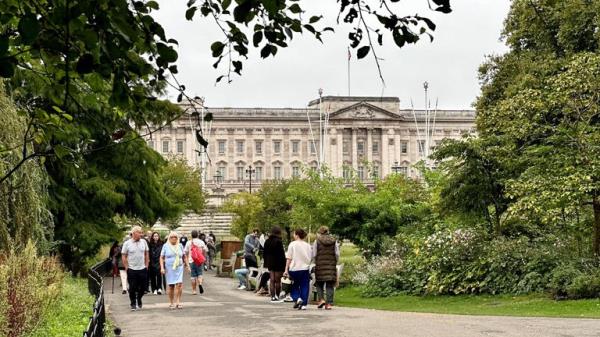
(465, 261)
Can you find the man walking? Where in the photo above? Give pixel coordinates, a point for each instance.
(196, 270)
(135, 260)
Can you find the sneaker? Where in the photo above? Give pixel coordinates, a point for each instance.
(274, 299)
(241, 287)
(298, 303)
(302, 308)
(139, 307)
(159, 292)
(288, 298)
(328, 306)
(201, 289)
(124, 292)
(133, 308)
(155, 292)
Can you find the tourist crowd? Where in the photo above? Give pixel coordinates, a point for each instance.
(147, 264)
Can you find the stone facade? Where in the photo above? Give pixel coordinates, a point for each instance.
(277, 143)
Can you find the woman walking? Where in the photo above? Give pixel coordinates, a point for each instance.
(326, 254)
(297, 266)
(274, 261)
(172, 261)
(156, 281)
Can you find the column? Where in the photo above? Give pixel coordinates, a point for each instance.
(339, 162)
(354, 149)
(385, 145)
(369, 145)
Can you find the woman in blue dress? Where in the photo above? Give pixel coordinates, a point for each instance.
(172, 261)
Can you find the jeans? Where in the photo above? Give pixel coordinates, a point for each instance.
(241, 275)
(137, 285)
(300, 287)
(329, 290)
(155, 278)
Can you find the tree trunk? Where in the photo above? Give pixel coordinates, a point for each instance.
(596, 206)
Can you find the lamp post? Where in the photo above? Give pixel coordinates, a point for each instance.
(396, 167)
(249, 172)
(218, 183)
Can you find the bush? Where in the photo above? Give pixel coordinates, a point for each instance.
(28, 284)
(575, 281)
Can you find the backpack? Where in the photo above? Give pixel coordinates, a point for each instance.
(197, 255)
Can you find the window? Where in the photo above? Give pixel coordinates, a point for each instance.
(421, 144)
(375, 146)
(277, 172)
(314, 145)
(295, 146)
(180, 146)
(361, 173)
(277, 146)
(151, 144)
(239, 172)
(258, 146)
(404, 170)
(239, 145)
(375, 173)
(165, 146)
(346, 173)
(404, 147)
(258, 173)
(391, 141)
(221, 172)
(222, 147)
(346, 147)
(295, 171)
(360, 147)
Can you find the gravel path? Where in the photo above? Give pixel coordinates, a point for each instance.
(226, 312)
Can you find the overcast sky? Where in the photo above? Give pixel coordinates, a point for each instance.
(462, 40)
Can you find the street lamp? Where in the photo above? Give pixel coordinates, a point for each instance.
(396, 167)
(250, 171)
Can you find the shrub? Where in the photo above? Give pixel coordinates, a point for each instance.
(28, 283)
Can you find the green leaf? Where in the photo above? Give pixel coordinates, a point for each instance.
(295, 8)
(7, 69)
(85, 64)
(189, 14)
(208, 117)
(167, 53)
(257, 37)
(29, 28)
(314, 19)
(61, 151)
(225, 4)
(362, 52)
(217, 48)
(152, 4)
(3, 44)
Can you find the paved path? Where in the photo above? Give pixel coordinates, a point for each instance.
(226, 312)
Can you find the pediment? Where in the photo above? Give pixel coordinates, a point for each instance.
(365, 111)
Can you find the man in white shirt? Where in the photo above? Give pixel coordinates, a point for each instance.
(135, 258)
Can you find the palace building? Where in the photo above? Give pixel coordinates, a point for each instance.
(369, 137)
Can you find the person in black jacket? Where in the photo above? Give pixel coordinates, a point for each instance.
(154, 265)
(274, 260)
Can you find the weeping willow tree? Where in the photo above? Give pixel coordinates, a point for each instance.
(23, 196)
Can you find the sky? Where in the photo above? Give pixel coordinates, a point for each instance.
(449, 64)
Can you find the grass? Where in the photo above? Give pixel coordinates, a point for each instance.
(498, 305)
(538, 305)
(69, 315)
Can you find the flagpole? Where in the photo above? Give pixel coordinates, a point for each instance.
(349, 71)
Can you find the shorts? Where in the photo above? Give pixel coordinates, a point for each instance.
(196, 270)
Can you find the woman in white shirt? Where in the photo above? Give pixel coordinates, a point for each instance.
(298, 257)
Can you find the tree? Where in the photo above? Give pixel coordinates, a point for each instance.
(182, 186)
(276, 208)
(247, 209)
(540, 105)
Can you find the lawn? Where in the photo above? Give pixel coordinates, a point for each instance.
(499, 305)
(69, 315)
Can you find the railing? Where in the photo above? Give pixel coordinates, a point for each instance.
(96, 275)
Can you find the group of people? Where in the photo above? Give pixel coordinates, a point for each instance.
(147, 264)
(294, 265)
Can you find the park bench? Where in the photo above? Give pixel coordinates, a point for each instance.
(225, 268)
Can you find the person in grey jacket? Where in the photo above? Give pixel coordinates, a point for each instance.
(250, 248)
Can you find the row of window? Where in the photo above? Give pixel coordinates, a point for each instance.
(295, 146)
(257, 174)
(258, 146)
(166, 146)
